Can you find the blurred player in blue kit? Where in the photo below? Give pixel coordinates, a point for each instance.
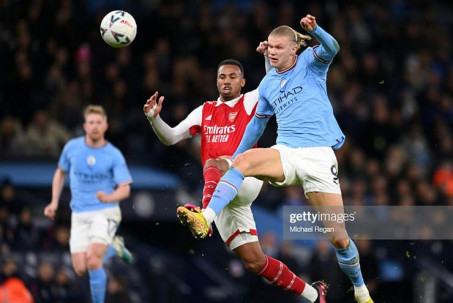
(99, 180)
(295, 91)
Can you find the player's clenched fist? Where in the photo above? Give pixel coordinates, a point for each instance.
(308, 23)
(50, 210)
(262, 48)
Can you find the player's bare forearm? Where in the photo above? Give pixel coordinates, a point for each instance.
(57, 186)
(59, 178)
(121, 192)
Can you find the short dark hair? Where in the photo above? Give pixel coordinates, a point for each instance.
(232, 62)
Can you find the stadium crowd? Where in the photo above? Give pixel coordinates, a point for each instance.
(391, 86)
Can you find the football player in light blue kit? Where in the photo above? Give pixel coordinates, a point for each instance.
(99, 180)
(295, 91)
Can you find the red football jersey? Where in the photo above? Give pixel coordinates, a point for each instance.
(223, 124)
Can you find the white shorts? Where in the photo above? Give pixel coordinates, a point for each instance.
(235, 222)
(93, 227)
(315, 168)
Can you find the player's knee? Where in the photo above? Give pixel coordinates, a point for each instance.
(339, 242)
(254, 265)
(221, 164)
(80, 270)
(242, 162)
(210, 162)
(94, 262)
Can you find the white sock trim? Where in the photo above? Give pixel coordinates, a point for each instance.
(361, 293)
(310, 293)
(209, 214)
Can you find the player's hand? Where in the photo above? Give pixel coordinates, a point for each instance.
(153, 107)
(103, 197)
(262, 48)
(50, 210)
(308, 23)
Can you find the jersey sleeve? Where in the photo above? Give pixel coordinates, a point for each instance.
(264, 109)
(185, 129)
(320, 56)
(328, 48)
(192, 122)
(64, 162)
(314, 64)
(250, 100)
(121, 173)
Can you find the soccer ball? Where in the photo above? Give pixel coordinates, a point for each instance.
(118, 29)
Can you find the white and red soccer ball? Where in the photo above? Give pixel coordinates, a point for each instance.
(118, 29)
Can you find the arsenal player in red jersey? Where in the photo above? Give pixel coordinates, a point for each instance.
(221, 124)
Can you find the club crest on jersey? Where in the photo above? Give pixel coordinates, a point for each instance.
(232, 116)
(283, 83)
(91, 160)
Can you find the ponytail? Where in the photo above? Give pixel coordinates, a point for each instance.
(296, 37)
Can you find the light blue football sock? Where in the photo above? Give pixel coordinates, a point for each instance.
(111, 252)
(226, 190)
(348, 258)
(98, 283)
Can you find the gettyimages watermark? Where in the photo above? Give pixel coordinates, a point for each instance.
(368, 222)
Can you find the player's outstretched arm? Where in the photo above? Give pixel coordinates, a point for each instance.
(57, 186)
(166, 134)
(329, 46)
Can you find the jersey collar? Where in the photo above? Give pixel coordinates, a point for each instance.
(289, 68)
(230, 103)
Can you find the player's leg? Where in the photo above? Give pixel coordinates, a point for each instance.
(118, 248)
(79, 263)
(274, 271)
(98, 277)
(346, 251)
(213, 170)
(104, 224)
(79, 242)
(318, 169)
(264, 163)
(237, 228)
(329, 203)
(121, 250)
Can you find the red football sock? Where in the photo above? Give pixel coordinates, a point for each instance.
(211, 176)
(279, 274)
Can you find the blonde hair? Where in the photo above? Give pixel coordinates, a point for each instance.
(94, 109)
(296, 37)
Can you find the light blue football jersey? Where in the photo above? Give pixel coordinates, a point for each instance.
(91, 170)
(298, 98)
